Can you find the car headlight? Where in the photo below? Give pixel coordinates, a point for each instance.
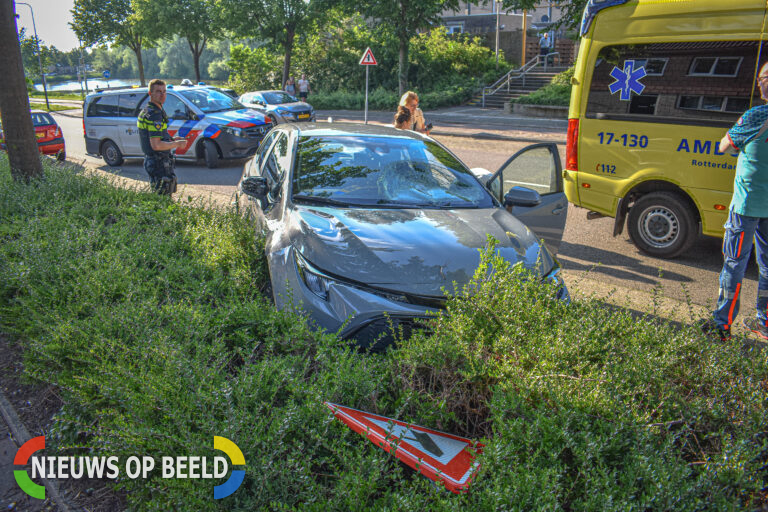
(314, 279)
(237, 132)
(318, 282)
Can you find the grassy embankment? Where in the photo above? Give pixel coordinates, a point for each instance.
(148, 316)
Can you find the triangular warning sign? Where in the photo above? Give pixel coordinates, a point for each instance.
(438, 456)
(368, 58)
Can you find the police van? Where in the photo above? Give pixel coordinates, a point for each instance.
(656, 86)
(215, 125)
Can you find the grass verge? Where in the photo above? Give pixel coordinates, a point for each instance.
(54, 107)
(148, 316)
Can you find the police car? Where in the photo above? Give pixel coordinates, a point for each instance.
(215, 125)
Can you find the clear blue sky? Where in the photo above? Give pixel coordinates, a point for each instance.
(52, 19)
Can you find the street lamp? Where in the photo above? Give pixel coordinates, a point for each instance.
(498, 9)
(39, 60)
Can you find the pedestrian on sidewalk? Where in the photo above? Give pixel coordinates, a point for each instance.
(304, 89)
(410, 100)
(747, 222)
(402, 118)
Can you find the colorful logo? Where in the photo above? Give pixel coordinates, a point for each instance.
(22, 477)
(627, 80)
(190, 466)
(237, 476)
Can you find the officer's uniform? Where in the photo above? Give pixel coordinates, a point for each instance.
(159, 165)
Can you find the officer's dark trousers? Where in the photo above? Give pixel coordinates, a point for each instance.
(161, 175)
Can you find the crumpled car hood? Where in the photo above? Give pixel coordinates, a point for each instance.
(412, 251)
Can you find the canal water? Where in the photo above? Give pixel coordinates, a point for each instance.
(93, 83)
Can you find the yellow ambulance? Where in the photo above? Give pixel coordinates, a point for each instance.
(657, 84)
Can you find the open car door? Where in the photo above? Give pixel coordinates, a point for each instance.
(536, 167)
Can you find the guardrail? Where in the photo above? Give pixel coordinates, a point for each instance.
(520, 73)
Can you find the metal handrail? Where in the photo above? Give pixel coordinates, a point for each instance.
(520, 72)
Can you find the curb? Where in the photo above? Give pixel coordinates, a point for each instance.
(20, 436)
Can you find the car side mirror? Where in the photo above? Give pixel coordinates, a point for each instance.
(522, 196)
(255, 187)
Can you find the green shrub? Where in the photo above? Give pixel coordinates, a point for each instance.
(149, 317)
(557, 92)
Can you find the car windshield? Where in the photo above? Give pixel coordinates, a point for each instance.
(387, 172)
(276, 98)
(40, 119)
(209, 100)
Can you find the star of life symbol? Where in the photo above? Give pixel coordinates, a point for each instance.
(627, 80)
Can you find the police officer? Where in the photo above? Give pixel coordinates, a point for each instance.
(156, 143)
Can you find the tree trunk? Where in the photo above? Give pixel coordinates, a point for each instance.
(289, 35)
(137, 50)
(403, 65)
(19, 133)
(197, 51)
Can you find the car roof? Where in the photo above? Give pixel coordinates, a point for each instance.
(129, 90)
(349, 129)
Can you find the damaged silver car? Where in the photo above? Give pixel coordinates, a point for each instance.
(367, 225)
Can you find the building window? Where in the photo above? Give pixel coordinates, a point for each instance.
(653, 67)
(713, 103)
(455, 28)
(643, 104)
(715, 66)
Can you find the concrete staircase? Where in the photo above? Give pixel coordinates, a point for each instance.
(533, 80)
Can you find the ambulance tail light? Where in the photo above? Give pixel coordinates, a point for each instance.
(571, 146)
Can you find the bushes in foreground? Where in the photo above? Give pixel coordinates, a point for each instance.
(148, 315)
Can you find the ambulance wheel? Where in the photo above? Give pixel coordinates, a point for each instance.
(662, 224)
(61, 155)
(111, 153)
(211, 154)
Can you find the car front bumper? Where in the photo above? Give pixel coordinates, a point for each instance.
(368, 317)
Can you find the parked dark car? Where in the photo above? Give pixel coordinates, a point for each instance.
(50, 139)
(368, 224)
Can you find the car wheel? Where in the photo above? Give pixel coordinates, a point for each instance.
(662, 224)
(273, 120)
(61, 155)
(111, 153)
(211, 154)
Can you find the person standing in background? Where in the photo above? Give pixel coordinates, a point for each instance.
(304, 89)
(290, 86)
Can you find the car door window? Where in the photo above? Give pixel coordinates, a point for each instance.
(175, 108)
(275, 166)
(128, 103)
(264, 147)
(535, 168)
(103, 106)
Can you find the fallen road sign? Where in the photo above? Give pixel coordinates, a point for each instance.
(438, 456)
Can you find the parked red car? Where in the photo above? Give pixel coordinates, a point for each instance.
(50, 139)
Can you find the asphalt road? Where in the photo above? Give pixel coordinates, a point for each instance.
(592, 258)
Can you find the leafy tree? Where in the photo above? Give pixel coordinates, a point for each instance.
(194, 20)
(405, 18)
(113, 21)
(18, 131)
(278, 21)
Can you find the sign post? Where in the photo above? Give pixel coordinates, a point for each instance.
(367, 60)
(106, 74)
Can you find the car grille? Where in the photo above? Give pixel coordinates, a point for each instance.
(378, 334)
(256, 132)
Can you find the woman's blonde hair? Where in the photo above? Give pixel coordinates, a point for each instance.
(410, 95)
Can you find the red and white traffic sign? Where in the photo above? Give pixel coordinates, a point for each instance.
(436, 455)
(368, 59)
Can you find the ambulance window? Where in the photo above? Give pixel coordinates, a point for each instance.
(736, 104)
(676, 83)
